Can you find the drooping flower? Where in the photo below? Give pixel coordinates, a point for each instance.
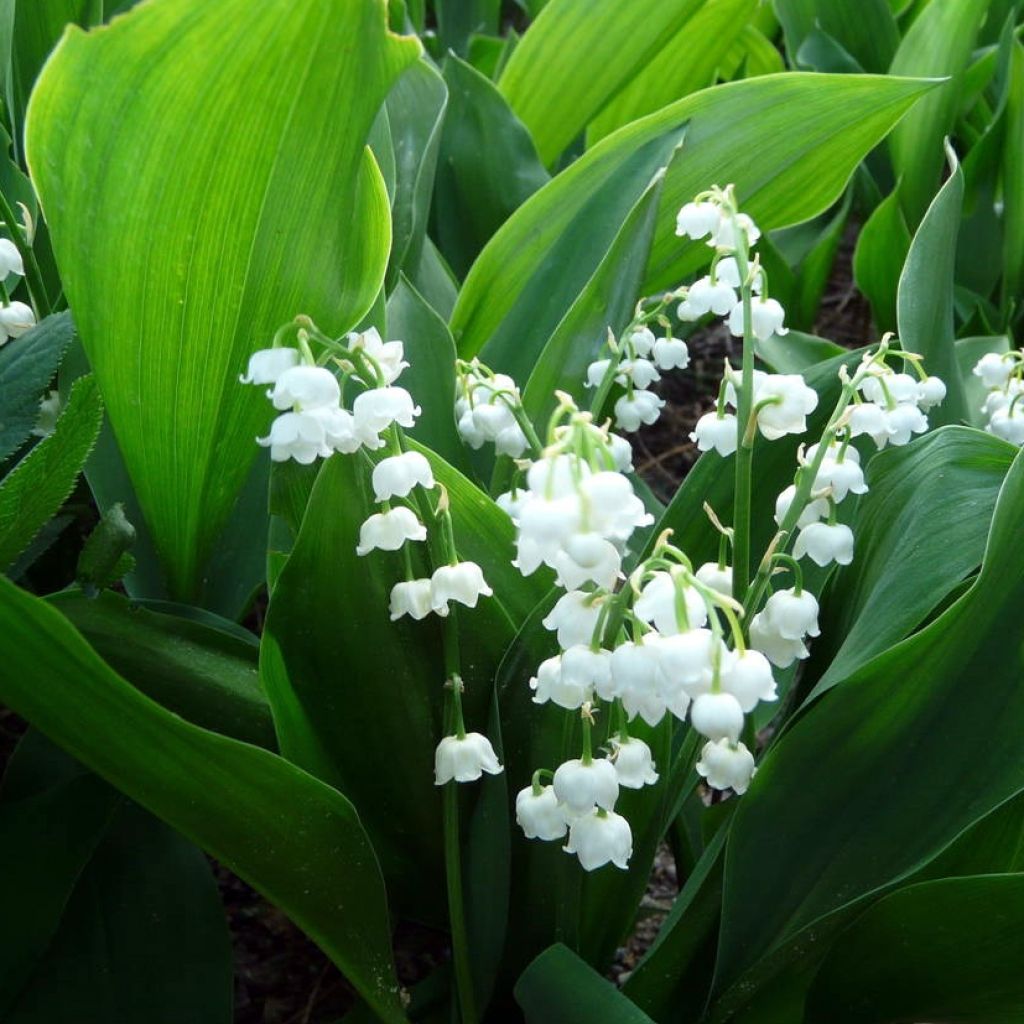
(825, 543)
(266, 365)
(717, 715)
(632, 411)
(581, 786)
(726, 765)
(296, 435)
(748, 677)
(539, 814)
(634, 763)
(388, 531)
(574, 617)
(412, 598)
(463, 583)
(464, 759)
(303, 388)
(397, 475)
(715, 431)
(600, 837)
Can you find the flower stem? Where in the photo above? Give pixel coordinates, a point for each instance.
(456, 907)
(745, 448)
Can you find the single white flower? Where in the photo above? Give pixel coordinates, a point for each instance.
(464, 759)
(511, 441)
(15, 320)
(412, 598)
(468, 430)
(794, 615)
(586, 671)
(932, 392)
(397, 475)
(815, 509)
(557, 477)
(885, 386)
(622, 453)
(613, 509)
(642, 341)
(717, 715)
(714, 431)
(825, 543)
(640, 408)
(748, 677)
(388, 531)
(766, 319)
(539, 814)
(719, 579)
(726, 765)
(581, 786)
(994, 369)
(600, 837)
(596, 372)
(339, 426)
(10, 260)
(492, 419)
(697, 220)
(687, 660)
(726, 235)
(512, 504)
(574, 617)
(463, 583)
(671, 354)
(903, 422)
(296, 435)
(779, 650)
(657, 604)
(388, 355)
(839, 471)
(266, 365)
(549, 684)
(587, 558)
(728, 270)
(718, 298)
(1008, 424)
(642, 372)
(634, 763)
(377, 409)
(787, 401)
(303, 388)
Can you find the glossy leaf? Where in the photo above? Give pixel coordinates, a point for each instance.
(577, 55)
(37, 487)
(940, 42)
(913, 714)
(1013, 180)
(457, 20)
(943, 950)
(924, 298)
(882, 247)
(191, 226)
(488, 166)
(558, 985)
(686, 62)
(27, 365)
(200, 672)
(941, 491)
(796, 352)
(294, 839)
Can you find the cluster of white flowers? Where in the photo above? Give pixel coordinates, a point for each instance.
(315, 424)
(15, 317)
(894, 405)
(485, 409)
(1003, 376)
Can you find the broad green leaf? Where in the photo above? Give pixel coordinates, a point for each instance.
(207, 676)
(815, 268)
(558, 985)
(685, 63)
(577, 55)
(36, 488)
(759, 54)
(457, 20)
(878, 259)
(940, 42)
(866, 30)
(924, 298)
(914, 714)
(796, 352)
(1013, 183)
(27, 365)
(940, 491)
(487, 167)
(943, 950)
(231, 192)
(294, 839)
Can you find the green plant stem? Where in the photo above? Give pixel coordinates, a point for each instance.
(745, 448)
(33, 276)
(456, 906)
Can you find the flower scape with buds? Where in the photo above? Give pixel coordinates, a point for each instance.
(1002, 374)
(643, 634)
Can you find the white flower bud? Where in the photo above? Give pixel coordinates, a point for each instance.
(671, 354)
(622, 453)
(642, 340)
(932, 392)
(726, 765)
(748, 677)
(642, 407)
(634, 763)
(389, 530)
(266, 365)
(296, 435)
(305, 387)
(714, 431)
(16, 319)
(581, 786)
(599, 837)
(1008, 424)
(465, 759)
(717, 579)
(574, 617)
(464, 583)
(596, 371)
(540, 815)
(717, 715)
(825, 543)
(994, 369)
(397, 475)
(411, 598)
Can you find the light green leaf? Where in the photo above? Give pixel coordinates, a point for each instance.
(37, 487)
(294, 839)
(683, 64)
(796, 352)
(231, 192)
(577, 55)
(940, 42)
(924, 297)
(882, 247)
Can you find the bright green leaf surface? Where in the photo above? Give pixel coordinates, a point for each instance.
(231, 192)
(296, 840)
(882, 247)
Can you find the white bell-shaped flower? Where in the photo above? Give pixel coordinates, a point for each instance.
(766, 318)
(491, 419)
(686, 660)
(642, 407)
(794, 615)
(870, 419)
(903, 422)
(714, 431)
(932, 392)
(642, 341)
(511, 441)
(657, 604)
(412, 598)
(613, 509)
(557, 477)
(815, 509)
(464, 759)
(12, 263)
(698, 220)
(388, 355)
(717, 715)
(840, 471)
(600, 837)
(15, 319)
(587, 671)
(718, 297)
(512, 503)
(574, 618)
(552, 684)
(581, 787)
(642, 372)
(587, 558)
(885, 387)
(339, 428)
(719, 579)
(397, 475)
(780, 650)
(266, 365)
(635, 667)
(377, 409)
(994, 369)
(748, 677)
(726, 235)
(726, 765)
(388, 531)
(296, 435)
(596, 372)
(789, 402)
(825, 543)
(634, 763)
(728, 270)
(468, 430)
(463, 583)
(539, 814)
(622, 453)
(671, 354)
(1008, 423)
(305, 387)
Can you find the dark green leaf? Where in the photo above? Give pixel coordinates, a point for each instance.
(882, 247)
(1013, 182)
